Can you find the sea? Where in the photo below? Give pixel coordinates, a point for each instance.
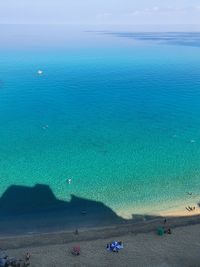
(110, 116)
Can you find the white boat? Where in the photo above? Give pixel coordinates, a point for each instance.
(40, 72)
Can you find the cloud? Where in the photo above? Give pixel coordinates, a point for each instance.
(155, 8)
(163, 10)
(104, 15)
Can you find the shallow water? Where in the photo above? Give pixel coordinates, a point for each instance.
(118, 117)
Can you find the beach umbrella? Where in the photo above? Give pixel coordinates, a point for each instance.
(76, 250)
(160, 231)
(115, 246)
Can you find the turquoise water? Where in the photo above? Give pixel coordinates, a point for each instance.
(122, 122)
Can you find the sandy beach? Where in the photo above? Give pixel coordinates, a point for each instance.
(142, 245)
(50, 238)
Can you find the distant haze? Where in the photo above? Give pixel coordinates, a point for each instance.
(98, 12)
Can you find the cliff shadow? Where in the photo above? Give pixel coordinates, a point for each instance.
(28, 210)
(36, 209)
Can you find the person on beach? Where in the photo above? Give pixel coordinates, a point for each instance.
(169, 231)
(76, 232)
(27, 256)
(108, 246)
(27, 259)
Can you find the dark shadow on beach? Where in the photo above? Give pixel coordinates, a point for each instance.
(27, 210)
(36, 209)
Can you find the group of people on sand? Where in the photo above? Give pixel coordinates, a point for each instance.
(165, 229)
(6, 261)
(168, 231)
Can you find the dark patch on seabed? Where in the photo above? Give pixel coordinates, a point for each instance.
(1, 84)
(171, 38)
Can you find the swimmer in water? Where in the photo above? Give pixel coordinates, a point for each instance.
(69, 181)
(45, 127)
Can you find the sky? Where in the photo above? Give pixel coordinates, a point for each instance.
(98, 12)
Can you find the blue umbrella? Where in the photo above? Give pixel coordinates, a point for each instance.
(115, 246)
